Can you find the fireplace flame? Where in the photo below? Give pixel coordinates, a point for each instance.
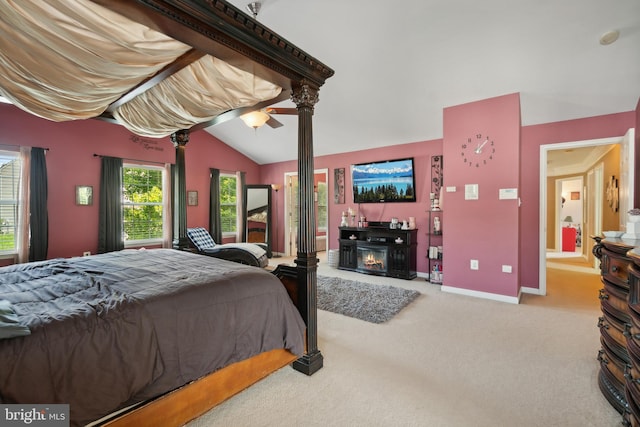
(373, 263)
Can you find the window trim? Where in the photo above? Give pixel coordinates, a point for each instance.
(13, 253)
(165, 193)
(234, 176)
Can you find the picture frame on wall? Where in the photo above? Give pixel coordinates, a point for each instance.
(192, 198)
(338, 186)
(84, 195)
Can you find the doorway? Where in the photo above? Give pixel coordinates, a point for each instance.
(593, 195)
(321, 207)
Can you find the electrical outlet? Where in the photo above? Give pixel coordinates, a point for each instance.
(506, 269)
(87, 253)
(474, 264)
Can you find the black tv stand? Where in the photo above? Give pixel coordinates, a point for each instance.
(380, 250)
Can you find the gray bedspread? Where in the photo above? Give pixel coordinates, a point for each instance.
(112, 329)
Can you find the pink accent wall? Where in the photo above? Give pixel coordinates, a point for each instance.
(70, 161)
(486, 229)
(420, 151)
(611, 125)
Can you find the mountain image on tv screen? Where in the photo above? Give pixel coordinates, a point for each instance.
(386, 181)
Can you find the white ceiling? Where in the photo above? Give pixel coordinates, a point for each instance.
(399, 64)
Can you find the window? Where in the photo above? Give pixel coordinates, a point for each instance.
(9, 196)
(142, 198)
(228, 203)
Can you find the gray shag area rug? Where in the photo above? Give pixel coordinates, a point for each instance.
(364, 301)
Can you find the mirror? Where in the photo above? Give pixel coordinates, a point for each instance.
(257, 215)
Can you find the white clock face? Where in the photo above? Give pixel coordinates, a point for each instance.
(478, 150)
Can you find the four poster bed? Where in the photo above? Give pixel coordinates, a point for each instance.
(158, 68)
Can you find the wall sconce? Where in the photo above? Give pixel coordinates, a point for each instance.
(255, 119)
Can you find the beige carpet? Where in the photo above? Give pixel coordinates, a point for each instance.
(446, 360)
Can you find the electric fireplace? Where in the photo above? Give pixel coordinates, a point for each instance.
(372, 258)
(379, 249)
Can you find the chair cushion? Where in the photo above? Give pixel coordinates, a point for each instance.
(201, 238)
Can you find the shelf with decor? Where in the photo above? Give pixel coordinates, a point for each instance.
(434, 246)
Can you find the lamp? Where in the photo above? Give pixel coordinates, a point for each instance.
(275, 188)
(568, 219)
(255, 119)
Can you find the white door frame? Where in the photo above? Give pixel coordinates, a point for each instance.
(290, 235)
(542, 261)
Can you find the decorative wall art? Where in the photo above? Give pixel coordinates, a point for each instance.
(338, 186)
(84, 195)
(575, 195)
(192, 198)
(436, 175)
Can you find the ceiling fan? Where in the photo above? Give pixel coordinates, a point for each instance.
(257, 118)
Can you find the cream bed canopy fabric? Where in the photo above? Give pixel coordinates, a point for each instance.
(45, 71)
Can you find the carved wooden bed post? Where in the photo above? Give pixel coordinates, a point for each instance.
(305, 97)
(180, 240)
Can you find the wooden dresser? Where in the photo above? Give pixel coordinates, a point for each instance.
(619, 354)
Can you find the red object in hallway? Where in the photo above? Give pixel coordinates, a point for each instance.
(568, 239)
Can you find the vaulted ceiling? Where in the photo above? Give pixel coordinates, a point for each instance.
(399, 64)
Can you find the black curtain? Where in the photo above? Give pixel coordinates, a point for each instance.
(240, 200)
(215, 224)
(110, 236)
(39, 216)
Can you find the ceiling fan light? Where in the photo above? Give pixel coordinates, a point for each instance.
(255, 119)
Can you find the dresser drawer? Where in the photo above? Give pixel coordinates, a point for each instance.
(615, 269)
(616, 367)
(633, 400)
(614, 300)
(615, 332)
(634, 292)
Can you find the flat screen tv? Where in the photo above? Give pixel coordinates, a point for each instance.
(384, 181)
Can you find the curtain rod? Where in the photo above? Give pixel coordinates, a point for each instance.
(20, 146)
(133, 160)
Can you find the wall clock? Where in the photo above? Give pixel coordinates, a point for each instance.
(478, 150)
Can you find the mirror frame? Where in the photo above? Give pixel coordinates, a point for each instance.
(245, 224)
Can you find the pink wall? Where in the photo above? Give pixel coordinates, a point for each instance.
(486, 229)
(420, 151)
(70, 162)
(612, 125)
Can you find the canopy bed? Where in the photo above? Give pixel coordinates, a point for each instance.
(168, 68)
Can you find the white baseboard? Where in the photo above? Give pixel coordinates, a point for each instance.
(485, 295)
(534, 291)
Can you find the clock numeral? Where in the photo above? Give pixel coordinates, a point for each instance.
(478, 136)
(464, 146)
